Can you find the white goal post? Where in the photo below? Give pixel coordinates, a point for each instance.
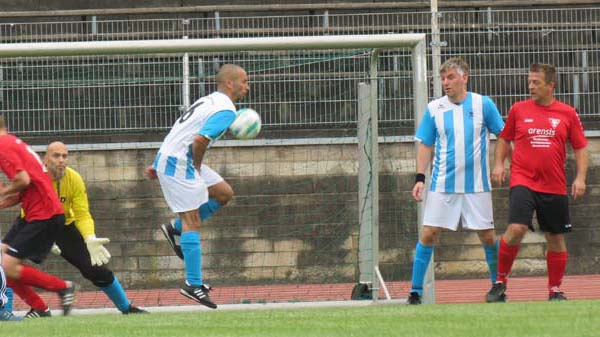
(368, 119)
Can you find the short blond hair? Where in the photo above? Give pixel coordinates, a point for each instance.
(2, 122)
(457, 63)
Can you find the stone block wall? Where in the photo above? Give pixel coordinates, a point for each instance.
(294, 219)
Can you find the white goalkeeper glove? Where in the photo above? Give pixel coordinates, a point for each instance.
(55, 250)
(98, 254)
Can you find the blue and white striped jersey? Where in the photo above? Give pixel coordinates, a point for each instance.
(210, 116)
(460, 133)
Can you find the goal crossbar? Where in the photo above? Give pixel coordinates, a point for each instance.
(209, 45)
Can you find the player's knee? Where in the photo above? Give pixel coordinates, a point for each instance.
(100, 276)
(226, 197)
(225, 194)
(514, 234)
(519, 230)
(190, 221)
(192, 227)
(429, 235)
(487, 237)
(556, 242)
(11, 266)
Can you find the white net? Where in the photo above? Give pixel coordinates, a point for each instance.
(292, 231)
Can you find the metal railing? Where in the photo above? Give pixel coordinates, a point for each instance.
(267, 7)
(295, 90)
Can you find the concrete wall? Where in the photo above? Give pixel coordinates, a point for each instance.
(294, 219)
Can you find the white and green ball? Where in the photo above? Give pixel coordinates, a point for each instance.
(246, 125)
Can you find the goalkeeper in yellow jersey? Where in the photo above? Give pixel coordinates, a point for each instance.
(77, 243)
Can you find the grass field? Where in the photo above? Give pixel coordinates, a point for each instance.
(572, 318)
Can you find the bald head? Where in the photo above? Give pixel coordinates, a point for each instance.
(56, 147)
(56, 159)
(228, 72)
(232, 80)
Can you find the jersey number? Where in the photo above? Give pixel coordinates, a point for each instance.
(189, 112)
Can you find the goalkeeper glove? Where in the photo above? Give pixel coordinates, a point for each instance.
(98, 254)
(55, 250)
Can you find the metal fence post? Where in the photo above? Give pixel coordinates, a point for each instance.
(185, 85)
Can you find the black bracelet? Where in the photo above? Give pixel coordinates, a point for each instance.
(419, 177)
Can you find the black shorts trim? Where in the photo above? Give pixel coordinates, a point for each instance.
(33, 240)
(552, 210)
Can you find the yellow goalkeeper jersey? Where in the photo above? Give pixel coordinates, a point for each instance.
(73, 196)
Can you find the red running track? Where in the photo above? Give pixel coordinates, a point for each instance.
(447, 291)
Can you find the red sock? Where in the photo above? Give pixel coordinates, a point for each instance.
(506, 257)
(27, 294)
(36, 278)
(557, 263)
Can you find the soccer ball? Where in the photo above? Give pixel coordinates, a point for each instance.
(246, 125)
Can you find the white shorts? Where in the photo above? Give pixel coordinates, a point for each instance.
(209, 176)
(445, 209)
(183, 195)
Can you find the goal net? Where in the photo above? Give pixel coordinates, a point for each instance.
(322, 196)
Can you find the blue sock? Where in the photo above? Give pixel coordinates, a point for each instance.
(117, 295)
(491, 257)
(420, 264)
(9, 302)
(192, 257)
(177, 224)
(206, 210)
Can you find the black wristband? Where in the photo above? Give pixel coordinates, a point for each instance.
(419, 177)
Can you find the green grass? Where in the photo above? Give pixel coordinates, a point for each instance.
(572, 318)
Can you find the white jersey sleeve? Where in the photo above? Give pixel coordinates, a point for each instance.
(175, 155)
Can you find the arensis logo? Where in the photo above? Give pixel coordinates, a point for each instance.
(554, 122)
(541, 132)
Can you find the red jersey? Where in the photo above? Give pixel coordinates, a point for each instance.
(540, 134)
(38, 200)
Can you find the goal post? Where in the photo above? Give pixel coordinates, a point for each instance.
(420, 86)
(368, 137)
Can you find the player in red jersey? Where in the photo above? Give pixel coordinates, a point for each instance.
(31, 237)
(539, 128)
